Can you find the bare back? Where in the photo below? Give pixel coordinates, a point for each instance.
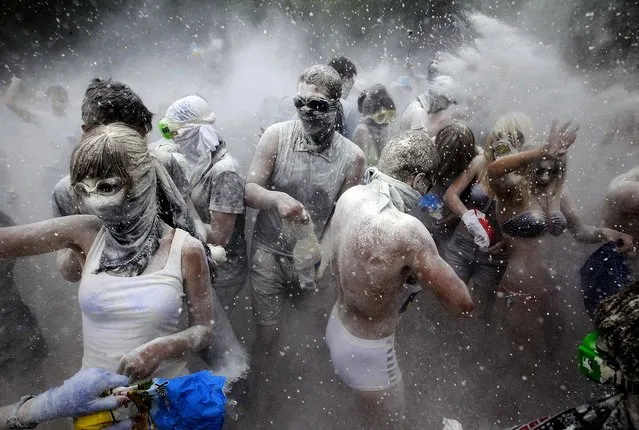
(373, 253)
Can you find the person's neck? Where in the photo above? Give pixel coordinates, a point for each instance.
(323, 141)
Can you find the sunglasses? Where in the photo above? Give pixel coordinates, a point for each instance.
(104, 187)
(314, 104)
(166, 131)
(384, 116)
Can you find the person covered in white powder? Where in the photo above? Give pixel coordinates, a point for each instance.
(377, 252)
(145, 291)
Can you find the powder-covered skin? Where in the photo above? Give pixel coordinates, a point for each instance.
(374, 251)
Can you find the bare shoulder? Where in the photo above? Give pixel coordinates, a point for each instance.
(192, 248)
(624, 189)
(351, 198)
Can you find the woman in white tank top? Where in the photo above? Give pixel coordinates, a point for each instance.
(145, 290)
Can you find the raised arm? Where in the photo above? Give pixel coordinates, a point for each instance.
(76, 232)
(590, 233)
(559, 140)
(140, 363)
(452, 197)
(10, 100)
(469, 217)
(257, 195)
(436, 274)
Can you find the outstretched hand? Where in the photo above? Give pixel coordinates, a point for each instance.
(560, 139)
(80, 395)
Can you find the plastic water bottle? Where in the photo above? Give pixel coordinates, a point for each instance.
(306, 256)
(433, 205)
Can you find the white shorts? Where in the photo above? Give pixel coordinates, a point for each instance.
(363, 364)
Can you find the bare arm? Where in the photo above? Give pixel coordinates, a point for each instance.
(589, 233)
(10, 100)
(75, 232)
(362, 138)
(140, 363)
(221, 228)
(559, 140)
(257, 195)
(436, 274)
(510, 163)
(458, 186)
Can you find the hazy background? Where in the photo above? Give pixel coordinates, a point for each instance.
(574, 60)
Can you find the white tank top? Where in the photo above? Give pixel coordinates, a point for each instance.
(120, 314)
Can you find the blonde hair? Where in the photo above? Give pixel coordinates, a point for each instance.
(514, 126)
(113, 149)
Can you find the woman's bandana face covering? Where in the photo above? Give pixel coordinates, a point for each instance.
(317, 115)
(129, 215)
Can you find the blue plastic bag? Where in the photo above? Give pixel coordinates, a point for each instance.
(603, 274)
(194, 402)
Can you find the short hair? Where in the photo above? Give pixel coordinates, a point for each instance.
(455, 145)
(407, 155)
(57, 91)
(324, 78)
(105, 150)
(617, 320)
(107, 101)
(373, 99)
(344, 67)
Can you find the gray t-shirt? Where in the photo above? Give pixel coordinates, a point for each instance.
(217, 186)
(315, 179)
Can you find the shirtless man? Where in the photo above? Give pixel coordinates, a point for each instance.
(622, 209)
(375, 251)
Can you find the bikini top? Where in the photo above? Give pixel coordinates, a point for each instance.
(534, 224)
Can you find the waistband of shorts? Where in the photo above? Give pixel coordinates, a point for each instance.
(505, 293)
(262, 246)
(358, 341)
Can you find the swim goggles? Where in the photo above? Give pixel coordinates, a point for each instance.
(597, 365)
(104, 187)
(384, 116)
(166, 131)
(314, 104)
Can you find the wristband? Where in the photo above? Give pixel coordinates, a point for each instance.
(13, 423)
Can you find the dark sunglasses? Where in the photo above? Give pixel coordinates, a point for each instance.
(314, 104)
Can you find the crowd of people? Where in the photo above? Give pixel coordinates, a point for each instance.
(361, 202)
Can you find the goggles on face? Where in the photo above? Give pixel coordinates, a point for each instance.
(314, 104)
(593, 362)
(384, 116)
(502, 147)
(104, 187)
(166, 130)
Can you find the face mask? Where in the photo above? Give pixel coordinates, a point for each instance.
(402, 195)
(318, 126)
(317, 115)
